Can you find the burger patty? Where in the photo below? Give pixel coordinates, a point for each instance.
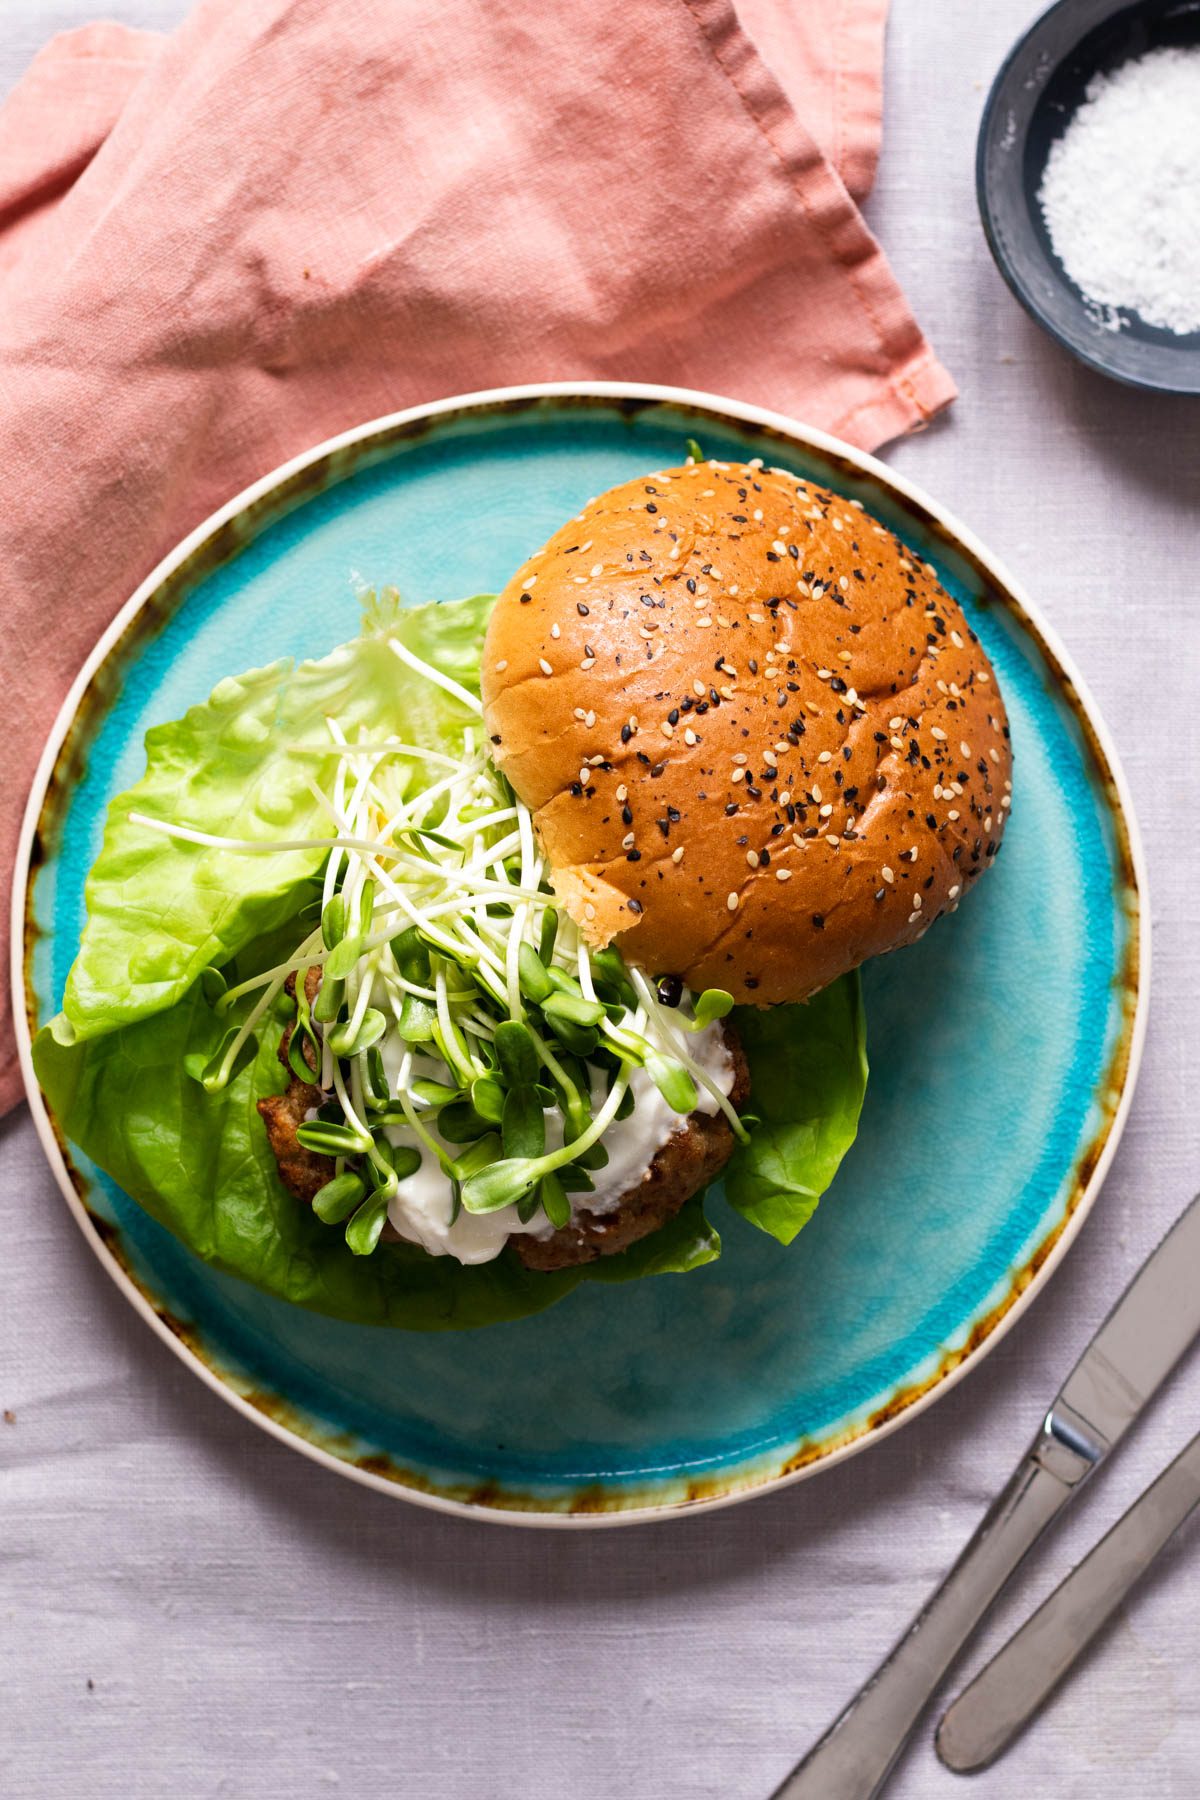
(685, 1163)
(303, 1172)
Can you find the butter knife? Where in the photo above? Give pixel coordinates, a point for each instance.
(1000, 1702)
(1154, 1322)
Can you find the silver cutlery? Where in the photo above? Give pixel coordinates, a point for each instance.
(1148, 1330)
(1001, 1701)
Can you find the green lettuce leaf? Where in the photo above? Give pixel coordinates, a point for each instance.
(808, 1075)
(160, 911)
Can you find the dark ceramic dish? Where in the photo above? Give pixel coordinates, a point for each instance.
(1040, 85)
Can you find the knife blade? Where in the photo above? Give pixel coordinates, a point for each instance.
(1153, 1323)
(1001, 1701)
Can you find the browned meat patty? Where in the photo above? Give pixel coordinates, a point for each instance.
(303, 1172)
(685, 1164)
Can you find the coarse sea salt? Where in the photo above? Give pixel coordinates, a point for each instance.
(1121, 192)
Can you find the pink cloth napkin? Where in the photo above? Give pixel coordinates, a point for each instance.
(219, 248)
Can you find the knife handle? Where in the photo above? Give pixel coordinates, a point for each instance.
(853, 1759)
(1000, 1702)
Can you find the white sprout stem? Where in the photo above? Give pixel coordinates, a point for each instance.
(674, 1046)
(446, 682)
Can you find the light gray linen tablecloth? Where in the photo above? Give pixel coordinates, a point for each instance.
(188, 1608)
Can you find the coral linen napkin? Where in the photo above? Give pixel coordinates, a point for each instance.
(294, 215)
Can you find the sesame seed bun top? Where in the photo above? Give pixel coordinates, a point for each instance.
(759, 740)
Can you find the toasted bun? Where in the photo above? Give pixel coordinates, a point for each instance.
(760, 742)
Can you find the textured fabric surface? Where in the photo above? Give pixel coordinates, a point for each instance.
(255, 1628)
(220, 247)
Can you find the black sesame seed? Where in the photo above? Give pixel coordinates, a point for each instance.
(650, 507)
(729, 811)
(626, 816)
(635, 906)
(633, 856)
(581, 609)
(818, 922)
(626, 733)
(657, 770)
(673, 716)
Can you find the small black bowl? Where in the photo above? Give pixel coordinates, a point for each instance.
(1040, 85)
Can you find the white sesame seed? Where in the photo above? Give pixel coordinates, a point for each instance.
(982, 675)
(956, 640)
(589, 719)
(816, 792)
(627, 841)
(783, 874)
(937, 732)
(888, 874)
(987, 823)
(501, 666)
(843, 581)
(757, 514)
(589, 911)
(994, 754)
(843, 656)
(733, 588)
(785, 798)
(741, 757)
(544, 666)
(836, 523)
(779, 547)
(703, 622)
(770, 758)
(916, 900)
(579, 713)
(824, 674)
(895, 724)
(953, 817)
(555, 632)
(752, 858)
(598, 569)
(965, 748)
(667, 729)
(737, 775)
(826, 809)
(825, 756)
(954, 891)
(584, 775)
(732, 903)
(913, 917)
(587, 546)
(1006, 799)
(699, 688)
(527, 584)
(587, 662)
(896, 743)
(689, 736)
(579, 580)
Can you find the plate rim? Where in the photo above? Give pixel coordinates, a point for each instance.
(505, 398)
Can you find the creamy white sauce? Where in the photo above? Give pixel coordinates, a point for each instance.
(420, 1210)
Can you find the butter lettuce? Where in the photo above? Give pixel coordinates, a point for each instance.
(161, 910)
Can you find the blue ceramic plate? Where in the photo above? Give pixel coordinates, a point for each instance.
(1003, 1047)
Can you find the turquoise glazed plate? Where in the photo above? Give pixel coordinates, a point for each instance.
(1003, 1047)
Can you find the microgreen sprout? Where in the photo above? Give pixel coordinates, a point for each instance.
(445, 1008)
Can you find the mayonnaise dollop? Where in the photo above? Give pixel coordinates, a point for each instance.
(420, 1210)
